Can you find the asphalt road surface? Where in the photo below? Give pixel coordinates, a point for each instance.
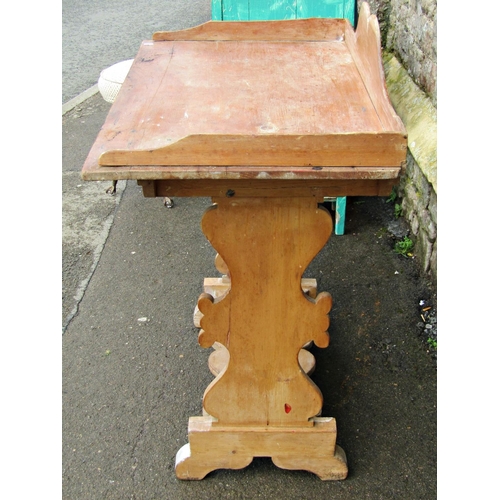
(99, 33)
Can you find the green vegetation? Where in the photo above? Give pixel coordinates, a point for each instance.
(392, 197)
(404, 247)
(398, 210)
(432, 343)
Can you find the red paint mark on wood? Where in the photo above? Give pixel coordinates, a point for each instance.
(288, 408)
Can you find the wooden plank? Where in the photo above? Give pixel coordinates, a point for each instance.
(148, 188)
(267, 188)
(284, 30)
(104, 173)
(343, 150)
(365, 48)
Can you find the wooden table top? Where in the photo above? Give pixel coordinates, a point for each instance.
(303, 97)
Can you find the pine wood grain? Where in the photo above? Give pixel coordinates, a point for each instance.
(244, 30)
(294, 93)
(214, 447)
(344, 150)
(265, 318)
(364, 46)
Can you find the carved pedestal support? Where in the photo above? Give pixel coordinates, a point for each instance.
(262, 402)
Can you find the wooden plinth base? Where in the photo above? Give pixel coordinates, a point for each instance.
(214, 447)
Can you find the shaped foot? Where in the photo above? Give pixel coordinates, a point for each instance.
(196, 467)
(327, 468)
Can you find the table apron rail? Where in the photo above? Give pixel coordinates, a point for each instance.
(268, 189)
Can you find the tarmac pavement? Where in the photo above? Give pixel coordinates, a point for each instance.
(99, 33)
(133, 372)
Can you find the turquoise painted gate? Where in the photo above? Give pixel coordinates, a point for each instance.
(260, 10)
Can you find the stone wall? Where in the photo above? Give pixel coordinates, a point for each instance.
(420, 209)
(409, 35)
(408, 29)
